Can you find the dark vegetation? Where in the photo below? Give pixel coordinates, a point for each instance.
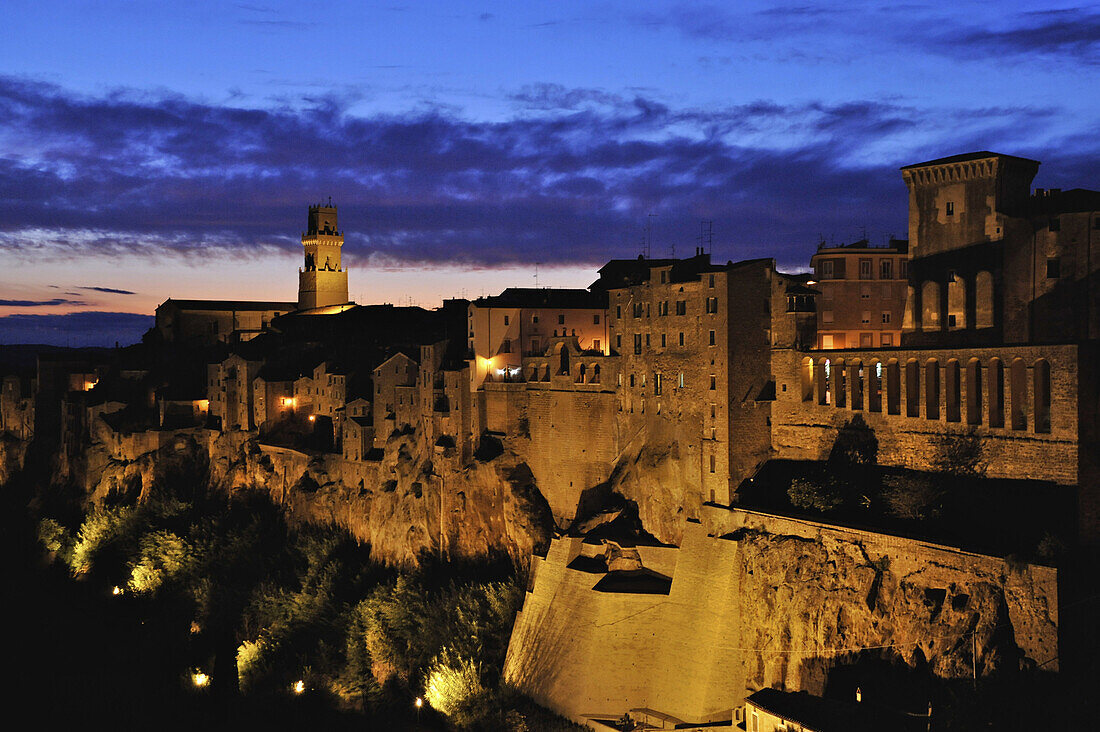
(222, 586)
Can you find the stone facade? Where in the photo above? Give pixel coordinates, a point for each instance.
(863, 290)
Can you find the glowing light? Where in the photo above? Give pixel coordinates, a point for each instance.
(198, 678)
(419, 702)
(811, 282)
(116, 590)
(89, 385)
(299, 686)
(313, 418)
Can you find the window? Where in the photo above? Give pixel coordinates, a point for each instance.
(681, 339)
(561, 318)
(712, 463)
(657, 384)
(1095, 225)
(826, 293)
(662, 308)
(826, 268)
(886, 269)
(865, 293)
(647, 340)
(663, 344)
(535, 319)
(618, 341)
(866, 317)
(885, 317)
(1054, 268)
(887, 340)
(952, 321)
(712, 338)
(1055, 224)
(664, 276)
(595, 319)
(619, 311)
(950, 208)
(713, 410)
(713, 382)
(596, 344)
(534, 345)
(712, 304)
(638, 310)
(681, 307)
(903, 269)
(711, 279)
(865, 271)
(680, 381)
(637, 343)
(632, 380)
(826, 316)
(886, 292)
(507, 320)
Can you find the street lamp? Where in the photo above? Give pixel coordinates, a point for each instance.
(419, 703)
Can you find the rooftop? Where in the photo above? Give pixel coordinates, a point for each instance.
(543, 297)
(229, 305)
(967, 157)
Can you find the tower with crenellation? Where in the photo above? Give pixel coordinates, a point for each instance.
(322, 281)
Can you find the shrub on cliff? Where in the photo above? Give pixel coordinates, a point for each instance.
(812, 495)
(105, 527)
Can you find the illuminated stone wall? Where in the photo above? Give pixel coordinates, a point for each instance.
(777, 604)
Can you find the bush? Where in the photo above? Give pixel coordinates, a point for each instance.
(102, 527)
(163, 556)
(54, 538)
(453, 684)
(911, 498)
(813, 495)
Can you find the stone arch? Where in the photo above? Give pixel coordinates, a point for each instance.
(1017, 380)
(930, 306)
(839, 384)
(973, 391)
(821, 379)
(595, 374)
(932, 389)
(953, 389)
(996, 379)
(912, 388)
(893, 387)
(956, 303)
(874, 386)
(534, 371)
(563, 359)
(856, 374)
(1040, 373)
(546, 372)
(983, 300)
(807, 373)
(582, 372)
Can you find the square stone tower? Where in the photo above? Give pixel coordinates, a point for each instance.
(322, 281)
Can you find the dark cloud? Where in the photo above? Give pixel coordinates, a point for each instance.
(75, 329)
(39, 303)
(1072, 33)
(571, 178)
(110, 290)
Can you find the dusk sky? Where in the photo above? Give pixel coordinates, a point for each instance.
(169, 149)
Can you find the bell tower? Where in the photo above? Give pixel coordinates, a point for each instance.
(322, 281)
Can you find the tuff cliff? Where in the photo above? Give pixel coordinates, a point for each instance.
(411, 502)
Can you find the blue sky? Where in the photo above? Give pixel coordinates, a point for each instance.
(155, 149)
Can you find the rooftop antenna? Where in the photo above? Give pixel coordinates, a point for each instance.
(706, 235)
(537, 274)
(649, 235)
(330, 201)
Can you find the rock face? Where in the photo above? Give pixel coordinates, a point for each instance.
(755, 608)
(411, 503)
(13, 452)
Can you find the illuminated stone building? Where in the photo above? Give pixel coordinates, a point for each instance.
(322, 280)
(521, 321)
(862, 297)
